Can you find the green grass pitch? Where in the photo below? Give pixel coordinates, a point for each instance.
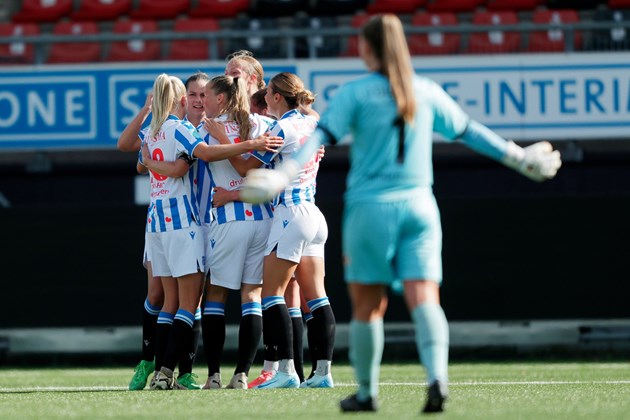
(478, 391)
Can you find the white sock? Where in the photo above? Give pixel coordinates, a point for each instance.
(286, 366)
(269, 366)
(323, 367)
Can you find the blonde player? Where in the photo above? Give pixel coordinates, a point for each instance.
(392, 114)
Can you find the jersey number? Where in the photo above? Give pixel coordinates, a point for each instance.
(158, 155)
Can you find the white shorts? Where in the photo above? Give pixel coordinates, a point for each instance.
(237, 252)
(177, 252)
(297, 231)
(205, 230)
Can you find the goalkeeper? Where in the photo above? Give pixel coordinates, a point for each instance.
(392, 114)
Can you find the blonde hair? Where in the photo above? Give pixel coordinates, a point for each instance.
(291, 88)
(249, 65)
(386, 36)
(236, 104)
(167, 92)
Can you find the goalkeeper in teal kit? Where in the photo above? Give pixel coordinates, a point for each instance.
(391, 223)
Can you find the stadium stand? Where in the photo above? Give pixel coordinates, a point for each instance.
(352, 45)
(160, 9)
(17, 52)
(337, 7)
(619, 4)
(324, 46)
(434, 42)
(262, 47)
(193, 49)
(494, 41)
(43, 10)
(516, 5)
(75, 52)
(278, 7)
(395, 6)
(453, 6)
(102, 9)
(553, 40)
(615, 38)
(219, 8)
(134, 49)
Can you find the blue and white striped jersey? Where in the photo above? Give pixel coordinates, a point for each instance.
(295, 129)
(173, 202)
(222, 174)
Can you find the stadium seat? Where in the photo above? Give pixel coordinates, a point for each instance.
(134, 49)
(553, 40)
(573, 4)
(43, 10)
(618, 4)
(494, 41)
(75, 52)
(17, 52)
(102, 9)
(434, 42)
(615, 38)
(160, 9)
(453, 6)
(325, 46)
(352, 45)
(193, 49)
(278, 7)
(219, 8)
(262, 47)
(337, 7)
(395, 6)
(515, 5)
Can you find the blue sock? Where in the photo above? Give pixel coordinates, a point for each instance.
(432, 340)
(366, 351)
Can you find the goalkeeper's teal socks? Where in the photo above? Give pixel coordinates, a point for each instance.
(432, 340)
(366, 351)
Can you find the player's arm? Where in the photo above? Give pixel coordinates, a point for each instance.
(217, 130)
(221, 196)
(176, 169)
(129, 140)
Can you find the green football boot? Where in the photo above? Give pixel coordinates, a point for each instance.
(143, 370)
(186, 381)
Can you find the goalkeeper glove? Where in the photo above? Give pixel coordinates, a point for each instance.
(538, 162)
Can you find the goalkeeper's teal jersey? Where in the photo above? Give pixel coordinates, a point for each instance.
(380, 169)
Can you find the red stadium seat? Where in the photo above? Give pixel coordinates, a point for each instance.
(515, 5)
(193, 49)
(160, 9)
(43, 10)
(17, 52)
(494, 41)
(434, 42)
(395, 6)
(219, 8)
(553, 40)
(352, 47)
(618, 4)
(75, 52)
(134, 49)
(453, 6)
(102, 9)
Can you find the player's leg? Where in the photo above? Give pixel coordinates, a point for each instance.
(188, 354)
(292, 298)
(164, 325)
(249, 334)
(213, 330)
(277, 328)
(152, 306)
(369, 303)
(310, 273)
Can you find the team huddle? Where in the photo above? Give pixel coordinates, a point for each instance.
(202, 240)
(232, 199)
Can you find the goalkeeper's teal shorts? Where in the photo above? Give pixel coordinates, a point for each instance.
(399, 240)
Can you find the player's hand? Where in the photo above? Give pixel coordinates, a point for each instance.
(321, 152)
(145, 154)
(261, 185)
(221, 196)
(266, 143)
(215, 128)
(538, 162)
